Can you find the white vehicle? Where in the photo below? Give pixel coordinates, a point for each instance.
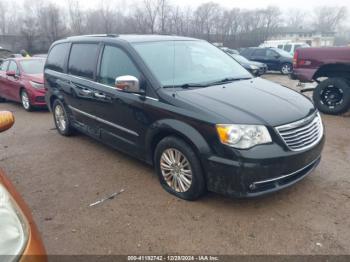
(285, 45)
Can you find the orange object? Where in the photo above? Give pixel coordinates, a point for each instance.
(34, 250)
(6, 120)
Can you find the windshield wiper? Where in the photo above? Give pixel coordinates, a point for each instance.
(187, 85)
(227, 80)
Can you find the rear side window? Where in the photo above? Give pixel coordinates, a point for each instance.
(288, 48)
(259, 52)
(83, 59)
(57, 57)
(115, 62)
(4, 66)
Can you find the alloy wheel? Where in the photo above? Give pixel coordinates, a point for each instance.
(286, 69)
(60, 118)
(25, 100)
(176, 170)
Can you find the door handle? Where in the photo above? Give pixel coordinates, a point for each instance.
(99, 95)
(86, 91)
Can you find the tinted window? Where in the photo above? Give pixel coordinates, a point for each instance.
(280, 46)
(4, 66)
(297, 46)
(13, 67)
(271, 53)
(83, 59)
(288, 48)
(259, 52)
(115, 62)
(57, 57)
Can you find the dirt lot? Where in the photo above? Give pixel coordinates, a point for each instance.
(59, 177)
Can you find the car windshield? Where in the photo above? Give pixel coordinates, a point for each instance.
(282, 52)
(32, 67)
(240, 59)
(191, 63)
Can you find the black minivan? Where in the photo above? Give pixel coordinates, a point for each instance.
(187, 108)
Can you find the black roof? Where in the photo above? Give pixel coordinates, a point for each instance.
(131, 38)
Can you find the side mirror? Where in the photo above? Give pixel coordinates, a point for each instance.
(11, 73)
(7, 120)
(128, 84)
(277, 56)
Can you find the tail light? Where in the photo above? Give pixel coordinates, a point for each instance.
(295, 59)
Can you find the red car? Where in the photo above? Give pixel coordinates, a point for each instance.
(21, 80)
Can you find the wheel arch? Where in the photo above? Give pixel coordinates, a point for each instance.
(333, 70)
(171, 127)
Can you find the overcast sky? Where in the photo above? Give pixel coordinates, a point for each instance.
(283, 4)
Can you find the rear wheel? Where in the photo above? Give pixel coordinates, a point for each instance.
(61, 118)
(25, 100)
(332, 96)
(179, 169)
(286, 69)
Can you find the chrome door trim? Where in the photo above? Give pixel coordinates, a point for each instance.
(100, 84)
(104, 121)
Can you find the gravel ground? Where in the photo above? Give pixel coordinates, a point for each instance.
(59, 177)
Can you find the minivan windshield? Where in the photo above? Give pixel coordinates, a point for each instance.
(33, 66)
(189, 63)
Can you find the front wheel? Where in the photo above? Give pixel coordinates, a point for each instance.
(25, 100)
(332, 96)
(286, 69)
(61, 118)
(179, 169)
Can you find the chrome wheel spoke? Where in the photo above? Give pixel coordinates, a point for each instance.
(176, 170)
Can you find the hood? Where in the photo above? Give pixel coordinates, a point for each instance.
(39, 78)
(254, 101)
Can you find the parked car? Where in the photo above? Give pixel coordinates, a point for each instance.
(20, 240)
(275, 59)
(187, 108)
(21, 80)
(285, 45)
(330, 68)
(256, 68)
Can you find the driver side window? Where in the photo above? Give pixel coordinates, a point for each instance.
(4, 66)
(13, 67)
(115, 62)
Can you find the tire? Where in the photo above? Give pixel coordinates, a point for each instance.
(286, 69)
(332, 96)
(191, 172)
(26, 101)
(61, 118)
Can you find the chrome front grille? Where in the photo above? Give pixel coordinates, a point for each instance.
(303, 134)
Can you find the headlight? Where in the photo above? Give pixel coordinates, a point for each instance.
(13, 226)
(36, 85)
(253, 67)
(243, 136)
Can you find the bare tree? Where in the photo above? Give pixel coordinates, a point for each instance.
(76, 16)
(328, 18)
(295, 18)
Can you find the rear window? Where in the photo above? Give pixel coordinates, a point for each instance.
(57, 57)
(83, 59)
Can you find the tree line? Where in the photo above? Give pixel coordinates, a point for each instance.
(232, 26)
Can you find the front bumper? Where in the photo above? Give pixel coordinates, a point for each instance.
(37, 98)
(261, 170)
